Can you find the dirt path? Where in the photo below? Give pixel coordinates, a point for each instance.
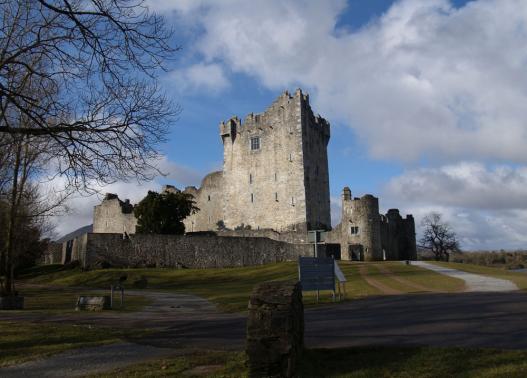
(363, 270)
(386, 271)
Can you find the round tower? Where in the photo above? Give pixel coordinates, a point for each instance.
(368, 219)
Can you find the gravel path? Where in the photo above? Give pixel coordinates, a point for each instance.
(473, 282)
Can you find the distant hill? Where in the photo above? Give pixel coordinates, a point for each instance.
(74, 234)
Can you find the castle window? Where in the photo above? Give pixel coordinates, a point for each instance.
(208, 197)
(276, 197)
(250, 178)
(292, 201)
(252, 197)
(255, 143)
(290, 157)
(275, 176)
(354, 230)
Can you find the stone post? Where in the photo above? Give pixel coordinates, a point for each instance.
(275, 329)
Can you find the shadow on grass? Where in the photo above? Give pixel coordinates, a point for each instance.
(412, 362)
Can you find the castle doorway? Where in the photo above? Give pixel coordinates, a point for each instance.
(355, 252)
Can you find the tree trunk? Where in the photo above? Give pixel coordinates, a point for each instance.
(9, 267)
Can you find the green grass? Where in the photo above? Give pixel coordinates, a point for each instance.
(364, 362)
(55, 300)
(216, 364)
(23, 341)
(425, 277)
(520, 279)
(230, 288)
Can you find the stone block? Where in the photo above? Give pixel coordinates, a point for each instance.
(14, 302)
(275, 329)
(85, 303)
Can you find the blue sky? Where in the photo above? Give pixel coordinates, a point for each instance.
(425, 99)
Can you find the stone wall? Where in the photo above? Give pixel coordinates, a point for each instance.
(209, 200)
(266, 188)
(53, 254)
(364, 234)
(275, 329)
(398, 236)
(114, 216)
(190, 251)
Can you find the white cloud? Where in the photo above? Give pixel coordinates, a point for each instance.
(200, 77)
(469, 185)
(487, 207)
(425, 79)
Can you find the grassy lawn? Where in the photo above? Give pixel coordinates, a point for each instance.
(23, 341)
(520, 279)
(349, 362)
(424, 277)
(230, 288)
(63, 300)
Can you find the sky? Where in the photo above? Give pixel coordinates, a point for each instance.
(426, 100)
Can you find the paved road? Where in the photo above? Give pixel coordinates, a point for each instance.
(473, 282)
(464, 319)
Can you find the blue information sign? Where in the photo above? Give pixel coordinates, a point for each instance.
(316, 273)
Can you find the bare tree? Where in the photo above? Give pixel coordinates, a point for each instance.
(438, 237)
(93, 66)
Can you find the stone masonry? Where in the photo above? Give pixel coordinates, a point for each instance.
(114, 215)
(275, 184)
(364, 234)
(275, 329)
(275, 172)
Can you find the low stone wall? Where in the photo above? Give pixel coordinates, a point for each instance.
(275, 329)
(53, 254)
(188, 251)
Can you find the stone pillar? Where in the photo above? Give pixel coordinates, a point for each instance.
(275, 329)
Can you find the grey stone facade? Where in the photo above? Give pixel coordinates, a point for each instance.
(275, 172)
(177, 251)
(114, 216)
(364, 234)
(275, 184)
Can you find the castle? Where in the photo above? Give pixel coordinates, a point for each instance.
(275, 184)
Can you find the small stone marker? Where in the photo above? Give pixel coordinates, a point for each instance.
(85, 303)
(275, 329)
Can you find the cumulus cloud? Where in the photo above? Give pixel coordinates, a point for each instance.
(200, 77)
(466, 184)
(487, 206)
(424, 79)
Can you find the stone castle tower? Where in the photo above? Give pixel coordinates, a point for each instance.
(364, 234)
(275, 172)
(275, 168)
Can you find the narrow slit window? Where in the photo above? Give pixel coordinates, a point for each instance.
(292, 201)
(275, 177)
(252, 197)
(276, 196)
(290, 157)
(250, 178)
(208, 197)
(354, 230)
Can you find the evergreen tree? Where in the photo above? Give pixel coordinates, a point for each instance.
(163, 213)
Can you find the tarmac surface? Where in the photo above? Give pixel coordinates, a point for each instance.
(182, 323)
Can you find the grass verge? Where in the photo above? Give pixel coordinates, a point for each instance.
(520, 279)
(55, 300)
(23, 341)
(230, 287)
(389, 362)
